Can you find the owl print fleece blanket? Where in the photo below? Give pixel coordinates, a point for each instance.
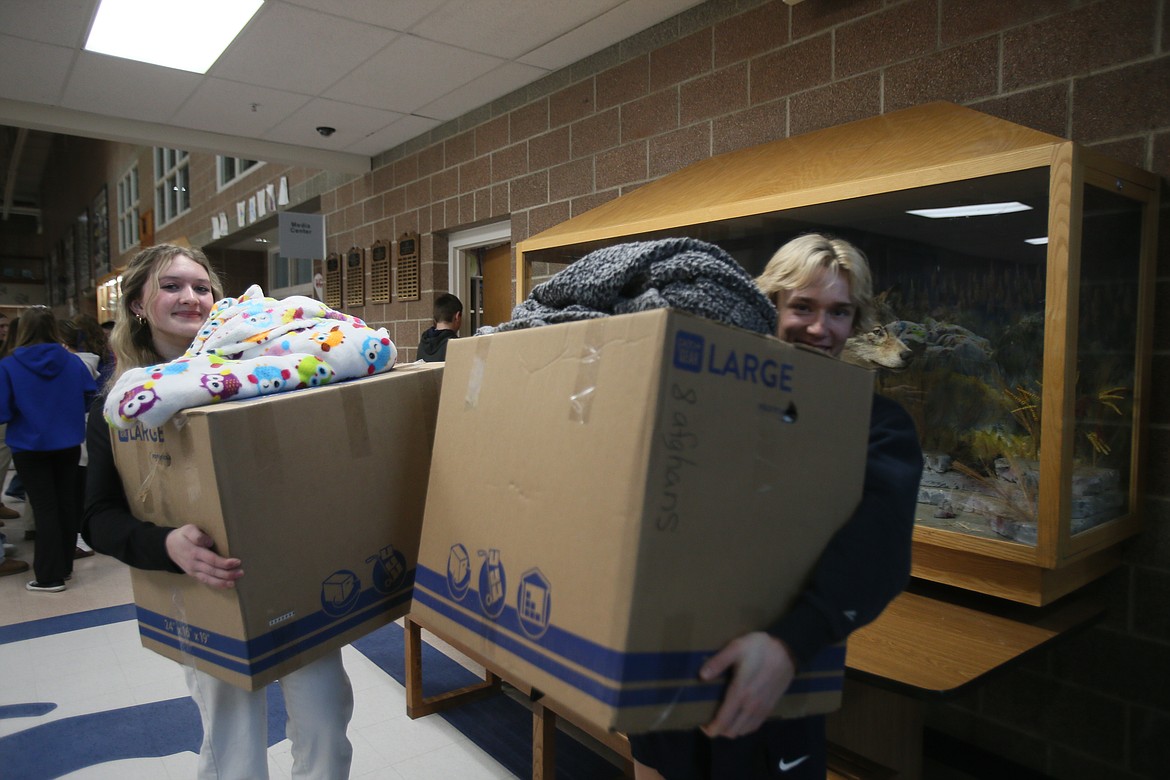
(251, 346)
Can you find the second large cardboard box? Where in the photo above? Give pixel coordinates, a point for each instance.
(612, 501)
(319, 492)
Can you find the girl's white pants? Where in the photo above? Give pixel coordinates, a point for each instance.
(319, 700)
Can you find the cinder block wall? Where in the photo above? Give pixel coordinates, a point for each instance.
(726, 75)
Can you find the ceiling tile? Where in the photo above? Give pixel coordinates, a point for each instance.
(298, 50)
(63, 22)
(225, 106)
(598, 33)
(351, 122)
(363, 66)
(505, 79)
(123, 88)
(391, 14)
(507, 28)
(397, 133)
(34, 72)
(409, 73)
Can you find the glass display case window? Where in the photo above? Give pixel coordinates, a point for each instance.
(1021, 316)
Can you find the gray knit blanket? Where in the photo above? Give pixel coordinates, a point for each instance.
(671, 273)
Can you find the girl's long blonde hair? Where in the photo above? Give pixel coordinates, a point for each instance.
(132, 339)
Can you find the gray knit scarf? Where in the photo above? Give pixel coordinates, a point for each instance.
(671, 273)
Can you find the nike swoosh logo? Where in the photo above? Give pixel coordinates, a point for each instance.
(787, 765)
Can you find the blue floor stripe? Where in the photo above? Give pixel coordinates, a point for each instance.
(29, 710)
(499, 725)
(33, 629)
(60, 747)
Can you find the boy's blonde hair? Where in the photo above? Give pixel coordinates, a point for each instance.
(800, 262)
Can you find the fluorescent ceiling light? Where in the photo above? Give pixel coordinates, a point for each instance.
(184, 34)
(977, 210)
(1036, 241)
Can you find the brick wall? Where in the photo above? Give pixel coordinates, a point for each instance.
(207, 200)
(727, 75)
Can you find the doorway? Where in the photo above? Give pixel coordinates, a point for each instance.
(479, 262)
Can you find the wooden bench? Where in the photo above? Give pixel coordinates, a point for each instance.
(932, 644)
(926, 645)
(545, 712)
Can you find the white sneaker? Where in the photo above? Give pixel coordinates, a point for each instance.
(49, 587)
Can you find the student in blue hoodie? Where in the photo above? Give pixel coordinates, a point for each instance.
(44, 392)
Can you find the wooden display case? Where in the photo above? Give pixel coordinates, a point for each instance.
(1030, 326)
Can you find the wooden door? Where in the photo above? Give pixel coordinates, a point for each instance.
(496, 267)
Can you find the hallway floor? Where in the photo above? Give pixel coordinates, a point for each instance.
(62, 666)
(76, 685)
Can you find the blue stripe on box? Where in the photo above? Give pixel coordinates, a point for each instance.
(557, 649)
(246, 657)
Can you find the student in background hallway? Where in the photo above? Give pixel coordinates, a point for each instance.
(85, 338)
(44, 391)
(6, 512)
(15, 488)
(7, 565)
(432, 347)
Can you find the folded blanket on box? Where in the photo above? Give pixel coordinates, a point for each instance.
(250, 346)
(672, 273)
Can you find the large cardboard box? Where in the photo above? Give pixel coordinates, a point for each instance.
(320, 493)
(612, 501)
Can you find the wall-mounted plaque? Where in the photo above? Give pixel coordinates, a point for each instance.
(82, 261)
(332, 294)
(355, 277)
(99, 228)
(67, 274)
(408, 267)
(380, 272)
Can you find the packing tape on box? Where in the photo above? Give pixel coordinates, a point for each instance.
(265, 432)
(265, 438)
(478, 367)
(353, 406)
(678, 630)
(145, 496)
(183, 630)
(767, 450)
(588, 369)
(157, 461)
